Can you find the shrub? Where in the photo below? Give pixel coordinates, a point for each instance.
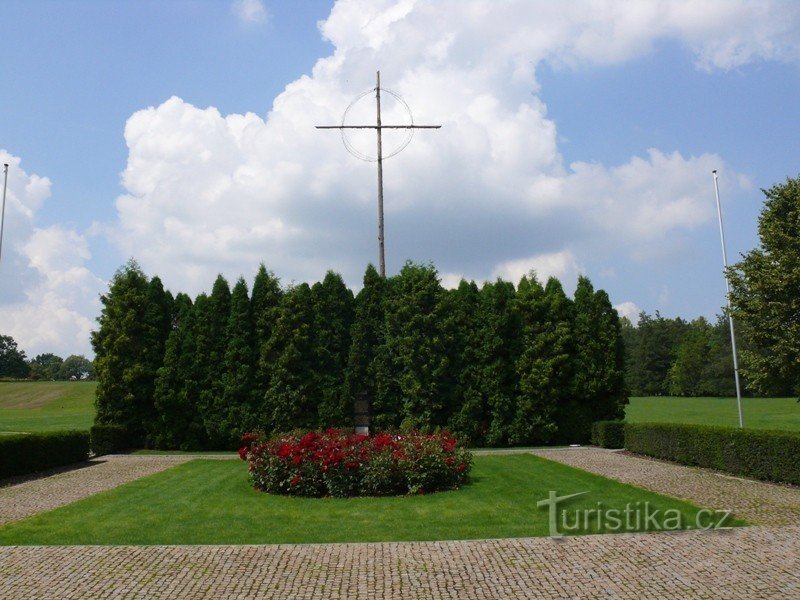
(22, 454)
(768, 455)
(608, 434)
(108, 439)
(334, 463)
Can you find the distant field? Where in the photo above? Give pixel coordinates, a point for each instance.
(759, 413)
(31, 406)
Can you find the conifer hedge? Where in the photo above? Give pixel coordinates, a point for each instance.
(497, 364)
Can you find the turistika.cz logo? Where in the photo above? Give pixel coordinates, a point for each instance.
(636, 516)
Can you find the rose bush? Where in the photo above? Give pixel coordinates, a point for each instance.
(340, 464)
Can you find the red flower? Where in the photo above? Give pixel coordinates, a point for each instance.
(297, 459)
(295, 480)
(243, 452)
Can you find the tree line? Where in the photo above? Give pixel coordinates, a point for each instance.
(497, 365)
(676, 357)
(14, 364)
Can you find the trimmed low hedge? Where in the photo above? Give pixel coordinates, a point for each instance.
(108, 439)
(608, 434)
(767, 455)
(21, 454)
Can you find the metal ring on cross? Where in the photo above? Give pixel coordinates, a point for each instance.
(348, 144)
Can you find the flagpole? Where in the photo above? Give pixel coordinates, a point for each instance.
(730, 316)
(3, 212)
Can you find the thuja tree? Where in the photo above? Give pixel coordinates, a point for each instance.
(237, 412)
(367, 352)
(416, 349)
(500, 329)
(129, 345)
(289, 402)
(545, 366)
(265, 306)
(598, 390)
(176, 418)
(497, 365)
(209, 364)
(333, 318)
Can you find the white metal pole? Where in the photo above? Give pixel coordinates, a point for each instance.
(3, 212)
(730, 316)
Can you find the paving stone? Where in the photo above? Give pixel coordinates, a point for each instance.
(750, 562)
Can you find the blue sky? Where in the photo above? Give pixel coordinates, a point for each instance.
(577, 138)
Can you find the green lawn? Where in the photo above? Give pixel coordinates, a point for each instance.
(211, 502)
(31, 406)
(759, 413)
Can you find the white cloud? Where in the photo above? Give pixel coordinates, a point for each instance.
(250, 11)
(210, 193)
(628, 310)
(488, 194)
(49, 298)
(561, 265)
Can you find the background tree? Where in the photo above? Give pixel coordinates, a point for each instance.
(765, 293)
(12, 361)
(77, 366)
(654, 352)
(46, 366)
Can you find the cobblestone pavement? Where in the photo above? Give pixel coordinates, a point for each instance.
(753, 562)
(23, 497)
(757, 502)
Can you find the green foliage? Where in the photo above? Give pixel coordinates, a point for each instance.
(333, 318)
(494, 365)
(109, 439)
(129, 347)
(265, 307)
(289, 402)
(177, 423)
(12, 360)
(46, 366)
(416, 348)
(768, 455)
(209, 363)
(599, 384)
(22, 454)
(765, 297)
(76, 366)
(652, 355)
(608, 434)
(367, 375)
(237, 413)
(545, 366)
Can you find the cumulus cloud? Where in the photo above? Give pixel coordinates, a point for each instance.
(250, 11)
(489, 193)
(628, 310)
(49, 298)
(561, 265)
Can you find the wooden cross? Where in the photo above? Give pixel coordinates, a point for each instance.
(379, 127)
